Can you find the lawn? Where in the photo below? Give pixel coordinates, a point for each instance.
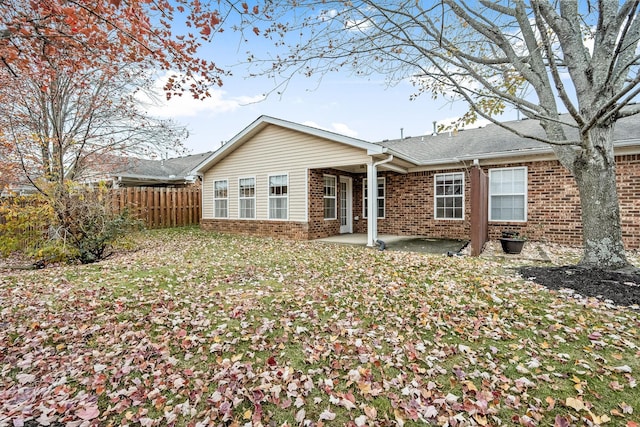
(199, 329)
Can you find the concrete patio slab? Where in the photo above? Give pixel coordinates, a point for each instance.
(400, 243)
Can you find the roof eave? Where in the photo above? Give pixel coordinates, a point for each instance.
(528, 152)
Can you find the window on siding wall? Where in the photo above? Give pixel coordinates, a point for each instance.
(221, 198)
(508, 194)
(278, 197)
(247, 197)
(379, 200)
(329, 197)
(449, 199)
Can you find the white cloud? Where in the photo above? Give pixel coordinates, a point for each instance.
(187, 106)
(360, 25)
(340, 128)
(343, 129)
(451, 120)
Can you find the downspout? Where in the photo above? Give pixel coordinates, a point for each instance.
(372, 196)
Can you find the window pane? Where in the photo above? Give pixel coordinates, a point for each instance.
(247, 200)
(246, 208)
(329, 208)
(220, 208)
(507, 208)
(220, 189)
(330, 196)
(508, 189)
(329, 186)
(380, 197)
(380, 187)
(247, 187)
(449, 195)
(278, 208)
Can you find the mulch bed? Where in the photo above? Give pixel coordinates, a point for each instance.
(623, 288)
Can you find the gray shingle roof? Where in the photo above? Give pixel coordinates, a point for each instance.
(491, 141)
(174, 168)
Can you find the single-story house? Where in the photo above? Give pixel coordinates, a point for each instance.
(278, 178)
(119, 171)
(171, 172)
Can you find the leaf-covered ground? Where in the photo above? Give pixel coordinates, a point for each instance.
(203, 329)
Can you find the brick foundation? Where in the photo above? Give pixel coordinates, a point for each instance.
(279, 229)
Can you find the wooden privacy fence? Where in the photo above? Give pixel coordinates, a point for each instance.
(159, 207)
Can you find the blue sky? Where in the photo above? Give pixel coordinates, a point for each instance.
(353, 106)
(360, 107)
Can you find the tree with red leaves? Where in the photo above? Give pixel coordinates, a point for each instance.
(159, 35)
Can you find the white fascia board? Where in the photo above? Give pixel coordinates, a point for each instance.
(396, 155)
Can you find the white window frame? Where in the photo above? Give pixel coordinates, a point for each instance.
(378, 198)
(241, 198)
(217, 199)
(436, 197)
(524, 193)
(334, 197)
(285, 197)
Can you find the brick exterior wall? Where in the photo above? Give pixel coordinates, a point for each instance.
(409, 207)
(318, 226)
(280, 229)
(553, 207)
(554, 213)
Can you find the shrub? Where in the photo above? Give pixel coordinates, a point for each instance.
(74, 223)
(24, 227)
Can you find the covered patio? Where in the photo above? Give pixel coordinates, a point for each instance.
(400, 243)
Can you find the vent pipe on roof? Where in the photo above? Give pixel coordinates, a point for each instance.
(401, 133)
(435, 131)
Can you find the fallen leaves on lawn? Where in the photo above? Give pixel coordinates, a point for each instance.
(203, 329)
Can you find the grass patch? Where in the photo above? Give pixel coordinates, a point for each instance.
(201, 327)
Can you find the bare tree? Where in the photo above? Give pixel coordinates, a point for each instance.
(66, 125)
(540, 57)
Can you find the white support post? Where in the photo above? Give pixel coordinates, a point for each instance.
(372, 197)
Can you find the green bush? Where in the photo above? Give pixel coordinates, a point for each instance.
(74, 223)
(24, 227)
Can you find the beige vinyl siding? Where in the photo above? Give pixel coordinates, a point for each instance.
(276, 150)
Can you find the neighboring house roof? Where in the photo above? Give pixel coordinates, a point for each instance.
(166, 171)
(263, 121)
(493, 141)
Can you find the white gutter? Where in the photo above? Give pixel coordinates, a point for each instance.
(372, 196)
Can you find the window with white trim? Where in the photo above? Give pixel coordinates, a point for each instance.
(278, 196)
(508, 194)
(221, 198)
(247, 198)
(449, 195)
(379, 199)
(330, 197)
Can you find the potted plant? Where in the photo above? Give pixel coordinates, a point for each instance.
(512, 242)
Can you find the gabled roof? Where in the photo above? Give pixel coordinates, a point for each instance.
(263, 121)
(168, 170)
(489, 142)
(493, 141)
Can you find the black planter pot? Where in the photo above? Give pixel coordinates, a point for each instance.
(512, 246)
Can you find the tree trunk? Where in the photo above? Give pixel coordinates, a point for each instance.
(595, 174)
